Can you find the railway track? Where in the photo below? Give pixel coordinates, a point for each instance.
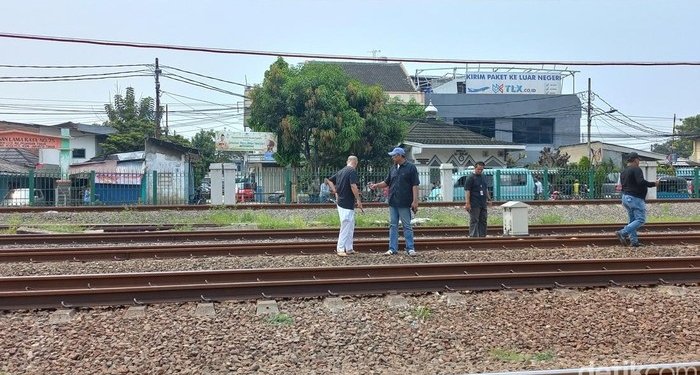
(294, 206)
(195, 250)
(684, 368)
(141, 233)
(30, 292)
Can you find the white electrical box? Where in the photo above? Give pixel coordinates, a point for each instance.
(515, 219)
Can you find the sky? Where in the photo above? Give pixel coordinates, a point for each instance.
(493, 30)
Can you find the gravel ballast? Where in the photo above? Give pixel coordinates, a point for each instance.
(488, 331)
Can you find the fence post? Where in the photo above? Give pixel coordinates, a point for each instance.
(497, 185)
(155, 187)
(31, 187)
(288, 185)
(144, 188)
(545, 184)
(447, 188)
(696, 182)
(92, 186)
(591, 181)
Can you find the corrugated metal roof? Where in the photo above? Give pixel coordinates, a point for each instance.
(89, 129)
(19, 156)
(8, 167)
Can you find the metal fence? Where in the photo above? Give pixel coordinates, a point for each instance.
(303, 185)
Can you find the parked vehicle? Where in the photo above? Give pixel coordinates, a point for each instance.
(245, 192)
(611, 188)
(514, 184)
(20, 197)
(198, 197)
(277, 197)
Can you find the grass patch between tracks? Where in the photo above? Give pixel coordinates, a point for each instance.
(422, 312)
(280, 319)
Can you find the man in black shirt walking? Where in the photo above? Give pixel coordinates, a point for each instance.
(634, 192)
(344, 185)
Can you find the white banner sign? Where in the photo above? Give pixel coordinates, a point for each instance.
(513, 83)
(250, 141)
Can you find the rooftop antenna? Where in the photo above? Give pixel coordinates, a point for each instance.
(374, 53)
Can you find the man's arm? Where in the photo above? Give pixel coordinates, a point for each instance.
(356, 192)
(331, 187)
(380, 185)
(414, 204)
(467, 193)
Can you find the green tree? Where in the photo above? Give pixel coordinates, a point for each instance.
(133, 121)
(681, 144)
(321, 115)
(552, 158)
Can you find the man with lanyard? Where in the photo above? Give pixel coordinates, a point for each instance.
(634, 192)
(477, 195)
(344, 185)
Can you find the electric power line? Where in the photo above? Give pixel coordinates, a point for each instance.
(205, 76)
(110, 43)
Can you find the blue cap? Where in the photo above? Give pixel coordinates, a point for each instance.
(397, 151)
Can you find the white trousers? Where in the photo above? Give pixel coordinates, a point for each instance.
(347, 229)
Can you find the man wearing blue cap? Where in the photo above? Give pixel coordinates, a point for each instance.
(403, 182)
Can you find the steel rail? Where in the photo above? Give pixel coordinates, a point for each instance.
(93, 290)
(305, 206)
(195, 250)
(539, 228)
(259, 234)
(679, 368)
(106, 280)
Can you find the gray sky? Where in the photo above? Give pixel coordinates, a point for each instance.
(565, 30)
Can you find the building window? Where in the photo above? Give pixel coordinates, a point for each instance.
(79, 153)
(483, 126)
(533, 130)
(461, 87)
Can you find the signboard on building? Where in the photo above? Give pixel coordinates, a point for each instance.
(246, 141)
(28, 140)
(548, 83)
(513, 83)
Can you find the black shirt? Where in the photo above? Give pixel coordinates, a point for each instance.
(342, 181)
(401, 180)
(477, 189)
(633, 182)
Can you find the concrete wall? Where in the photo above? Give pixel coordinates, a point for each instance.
(78, 140)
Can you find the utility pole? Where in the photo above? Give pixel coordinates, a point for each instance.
(590, 152)
(158, 114)
(590, 116)
(673, 139)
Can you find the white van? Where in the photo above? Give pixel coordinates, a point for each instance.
(20, 197)
(511, 184)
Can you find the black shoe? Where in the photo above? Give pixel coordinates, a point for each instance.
(622, 238)
(637, 244)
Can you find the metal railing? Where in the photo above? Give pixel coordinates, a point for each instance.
(302, 185)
